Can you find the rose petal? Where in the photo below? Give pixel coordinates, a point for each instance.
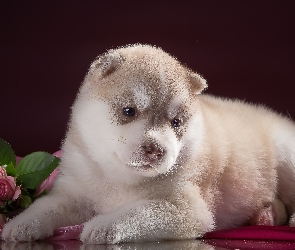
(3, 172)
(58, 153)
(11, 181)
(16, 193)
(7, 191)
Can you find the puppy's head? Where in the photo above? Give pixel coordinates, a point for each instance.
(136, 111)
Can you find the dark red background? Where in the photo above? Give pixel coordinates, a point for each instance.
(245, 49)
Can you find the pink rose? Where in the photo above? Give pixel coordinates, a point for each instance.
(8, 188)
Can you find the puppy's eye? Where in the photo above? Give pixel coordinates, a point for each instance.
(129, 111)
(175, 123)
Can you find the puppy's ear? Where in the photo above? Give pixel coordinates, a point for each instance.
(198, 83)
(102, 67)
(106, 64)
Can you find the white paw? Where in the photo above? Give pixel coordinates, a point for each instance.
(98, 232)
(20, 229)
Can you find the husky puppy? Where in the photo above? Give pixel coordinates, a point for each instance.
(148, 158)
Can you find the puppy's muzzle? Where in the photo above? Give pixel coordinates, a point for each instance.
(153, 152)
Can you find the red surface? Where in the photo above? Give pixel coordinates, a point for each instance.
(275, 233)
(253, 237)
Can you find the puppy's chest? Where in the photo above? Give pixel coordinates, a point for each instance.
(111, 196)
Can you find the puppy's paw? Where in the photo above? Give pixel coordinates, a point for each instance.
(26, 230)
(98, 232)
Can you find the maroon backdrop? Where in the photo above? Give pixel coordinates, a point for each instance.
(245, 49)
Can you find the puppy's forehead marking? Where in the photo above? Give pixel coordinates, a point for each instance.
(141, 97)
(174, 106)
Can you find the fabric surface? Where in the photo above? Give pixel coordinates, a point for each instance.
(244, 238)
(273, 233)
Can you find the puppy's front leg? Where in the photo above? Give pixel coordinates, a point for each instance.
(153, 220)
(42, 217)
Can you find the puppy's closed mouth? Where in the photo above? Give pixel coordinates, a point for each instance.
(146, 167)
(142, 166)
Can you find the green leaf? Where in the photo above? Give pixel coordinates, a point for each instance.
(29, 192)
(7, 155)
(34, 168)
(10, 170)
(25, 201)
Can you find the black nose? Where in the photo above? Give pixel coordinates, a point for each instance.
(153, 151)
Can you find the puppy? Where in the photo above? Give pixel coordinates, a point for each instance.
(148, 158)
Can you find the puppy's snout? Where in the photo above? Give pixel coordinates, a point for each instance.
(153, 151)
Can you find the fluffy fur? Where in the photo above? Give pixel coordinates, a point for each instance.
(147, 157)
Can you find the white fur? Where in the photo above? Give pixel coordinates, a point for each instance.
(138, 178)
(141, 97)
(99, 130)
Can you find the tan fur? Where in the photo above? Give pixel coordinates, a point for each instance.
(181, 165)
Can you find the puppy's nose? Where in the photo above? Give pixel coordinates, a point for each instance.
(153, 151)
